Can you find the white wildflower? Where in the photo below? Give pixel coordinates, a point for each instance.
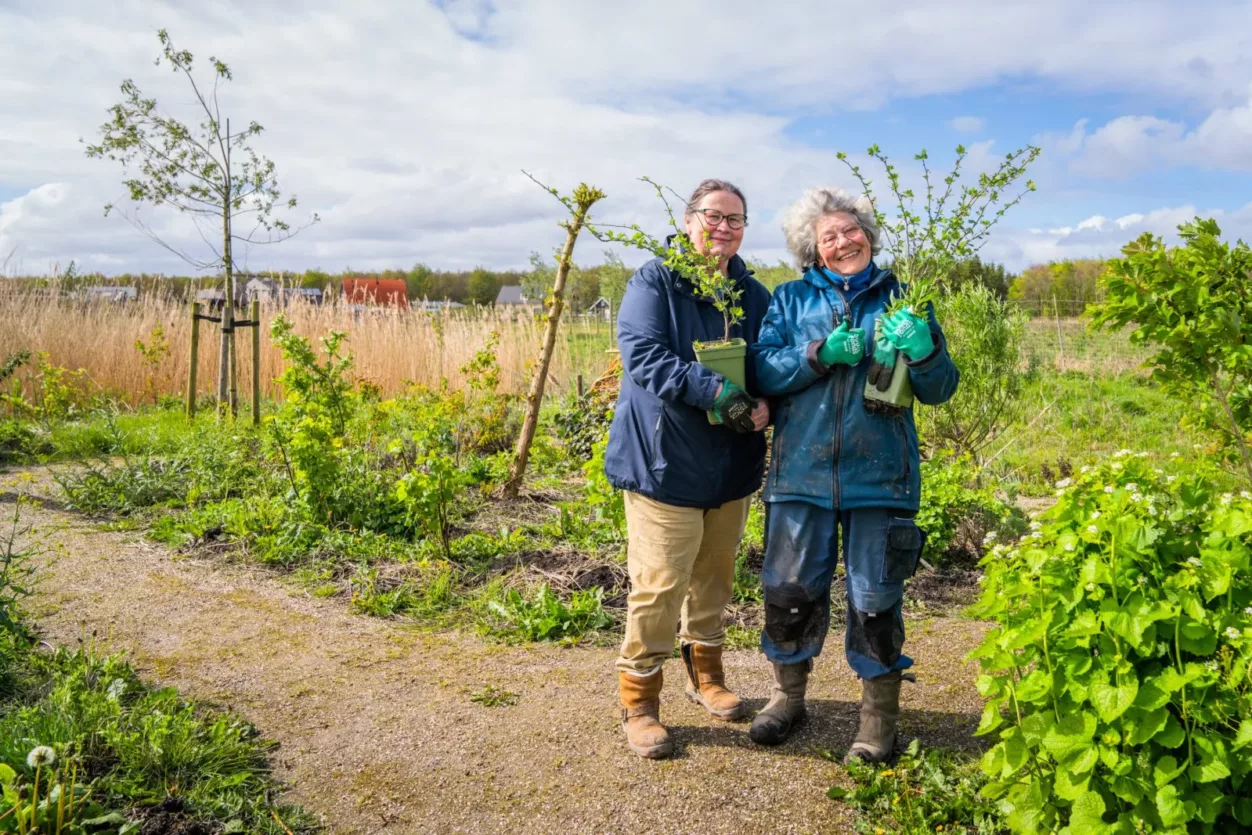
(1095, 514)
(1092, 529)
(1158, 471)
(1065, 482)
(1143, 581)
(989, 538)
(1232, 634)
(1136, 497)
(1248, 611)
(1175, 455)
(1036, 535)
(1244, 494)
(1195, 561)
(1108, 488)
(41, 755)
(1226, 498)
(1121, 453)
(1036, 525)
(1170, 479)
(1068, 546)
(1084, 469)
(1091, 587)
(1211, 665)
(1117, 465)
(1133, 487)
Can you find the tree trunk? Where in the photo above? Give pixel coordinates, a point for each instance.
(517, 470)
(226, 352)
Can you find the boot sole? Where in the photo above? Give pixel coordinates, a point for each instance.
(786, 735)
(653, 752)
(725, 715)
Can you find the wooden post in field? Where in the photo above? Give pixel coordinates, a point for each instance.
(195, 359)
(228, 321)
(580, 387)
(1060, 343)
(256, 362)
(584, 198)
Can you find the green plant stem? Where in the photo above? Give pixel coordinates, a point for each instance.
(1047, 659)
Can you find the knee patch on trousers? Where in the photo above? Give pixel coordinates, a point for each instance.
(877, 635)
(791, 615)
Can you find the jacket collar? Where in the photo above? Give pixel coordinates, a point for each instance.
(815, 276)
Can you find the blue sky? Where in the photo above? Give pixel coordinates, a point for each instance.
(405, 124)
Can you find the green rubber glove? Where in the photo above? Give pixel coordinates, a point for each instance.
(733, 407)
(844, 346)
(910, 334)
(883, 364)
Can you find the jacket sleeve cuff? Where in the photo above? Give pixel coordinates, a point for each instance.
(704, 390)
(814, 362)
(925, 362)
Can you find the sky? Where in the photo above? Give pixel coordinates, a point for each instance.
(406, 125)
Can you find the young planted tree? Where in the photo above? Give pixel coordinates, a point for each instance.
(207, 172)
(579, 204)
(928, 243)
(1192, 302)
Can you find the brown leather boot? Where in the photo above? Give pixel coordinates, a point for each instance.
(706, 682)
(880, 712)
(641, 710)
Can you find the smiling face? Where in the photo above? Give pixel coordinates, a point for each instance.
(723, 241)
(842, 244)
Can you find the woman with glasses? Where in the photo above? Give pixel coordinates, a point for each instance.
(687, 481)
(840, 470)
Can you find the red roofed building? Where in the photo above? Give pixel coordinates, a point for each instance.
(384, 292)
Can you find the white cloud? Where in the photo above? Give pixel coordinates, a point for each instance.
(406, 124)
(967, 124)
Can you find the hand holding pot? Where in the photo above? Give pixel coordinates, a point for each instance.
(734, 407)
(844, 346)
(884, 362)
(910, 334)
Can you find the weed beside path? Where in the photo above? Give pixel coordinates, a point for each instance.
(379, 726)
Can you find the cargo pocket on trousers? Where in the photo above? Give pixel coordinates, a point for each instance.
(904, 549)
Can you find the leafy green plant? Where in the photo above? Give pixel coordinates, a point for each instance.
(922, 792)
(1119, 673)
(542, 616)
(1191, 302)
(985, 337)
(684, 257)
(60, 805)
(928, 242)
(607, 503)
(15, 573)
(960, 515)
(151, 354)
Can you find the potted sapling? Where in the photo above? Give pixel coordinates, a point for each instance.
(726, 356)
(928, 243)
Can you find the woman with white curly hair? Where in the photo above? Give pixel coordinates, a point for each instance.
(840, 469)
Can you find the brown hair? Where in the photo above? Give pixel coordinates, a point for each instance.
(709, 186)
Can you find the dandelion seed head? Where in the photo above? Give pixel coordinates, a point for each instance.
(41, 755)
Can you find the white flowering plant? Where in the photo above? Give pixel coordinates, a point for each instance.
(1118, 675)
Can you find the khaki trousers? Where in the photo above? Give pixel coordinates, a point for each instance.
(682, 564)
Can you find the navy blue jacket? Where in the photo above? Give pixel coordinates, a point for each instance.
(661, 443)
(828, 450)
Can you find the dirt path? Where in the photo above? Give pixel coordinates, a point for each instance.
(377, 731)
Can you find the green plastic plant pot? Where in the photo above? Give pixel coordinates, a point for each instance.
(899, 393)
(726, 358)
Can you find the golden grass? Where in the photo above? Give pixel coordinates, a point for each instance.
(391, 348)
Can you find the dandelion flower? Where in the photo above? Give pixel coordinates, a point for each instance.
(41, 755)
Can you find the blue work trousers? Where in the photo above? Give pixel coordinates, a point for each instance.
(881, 549)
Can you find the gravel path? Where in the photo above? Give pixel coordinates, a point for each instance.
(376, 728)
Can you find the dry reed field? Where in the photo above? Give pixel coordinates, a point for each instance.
(391, 348)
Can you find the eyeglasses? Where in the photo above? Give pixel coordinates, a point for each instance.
(712, 217)
(852, 233)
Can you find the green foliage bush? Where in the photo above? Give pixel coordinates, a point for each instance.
(959, 515)
(1119, 672)
(543, 616)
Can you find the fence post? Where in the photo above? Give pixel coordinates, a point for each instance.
(580, 387)
(1060, 342)
(256, 362)
(195, 358)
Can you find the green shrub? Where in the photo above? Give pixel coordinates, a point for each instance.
(542, 616)
(960, 516)
(1122, 656)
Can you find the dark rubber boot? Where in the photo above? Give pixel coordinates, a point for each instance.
(880, 713)
(785, 710)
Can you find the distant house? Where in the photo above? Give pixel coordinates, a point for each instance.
(378, 292)
(601, 308)
(212, 299)
(262, 290)
(512, 294)
(108, 293)
(309, 295)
